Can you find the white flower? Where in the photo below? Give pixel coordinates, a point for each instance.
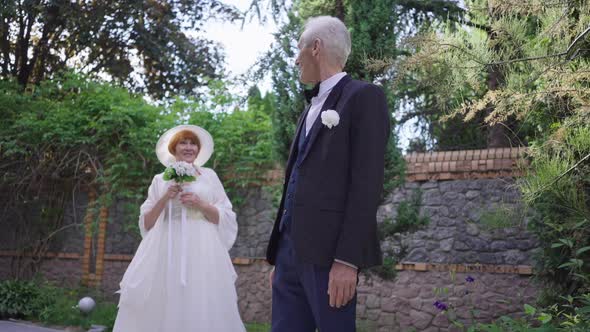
(183, 168)
(330, 118)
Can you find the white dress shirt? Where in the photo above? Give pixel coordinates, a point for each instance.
(318, 101)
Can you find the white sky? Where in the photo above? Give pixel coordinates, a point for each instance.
(243, 46)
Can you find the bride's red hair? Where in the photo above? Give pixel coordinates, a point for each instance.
(181, 136)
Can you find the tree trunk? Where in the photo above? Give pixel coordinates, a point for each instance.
(22, 67)
(340, 13)
(5, 44)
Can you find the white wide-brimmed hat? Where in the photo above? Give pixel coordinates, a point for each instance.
(205, 152)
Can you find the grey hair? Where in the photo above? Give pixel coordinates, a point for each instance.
(333, 34)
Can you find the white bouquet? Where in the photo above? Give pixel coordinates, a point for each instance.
(181, 172)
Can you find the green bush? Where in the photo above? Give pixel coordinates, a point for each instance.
(557, 188)
(504, 216)
(19, 299)
(44, 302)
(571, 316)
(387, 269)
(72, 132)
(408, 217)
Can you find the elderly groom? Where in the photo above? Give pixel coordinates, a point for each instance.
(325, 230)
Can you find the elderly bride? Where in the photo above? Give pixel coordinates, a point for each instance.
(181, 277)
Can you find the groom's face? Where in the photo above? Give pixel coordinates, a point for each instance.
(307, 61)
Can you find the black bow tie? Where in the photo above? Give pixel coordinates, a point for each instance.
(311, 93)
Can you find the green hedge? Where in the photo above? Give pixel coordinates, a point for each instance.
(73, 131)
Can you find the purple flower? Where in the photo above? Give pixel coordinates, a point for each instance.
(469, 279)
(440, 306)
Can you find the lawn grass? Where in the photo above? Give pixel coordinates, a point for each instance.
(257, 327)
(362, 326)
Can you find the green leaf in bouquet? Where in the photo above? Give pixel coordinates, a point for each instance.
(169, 174)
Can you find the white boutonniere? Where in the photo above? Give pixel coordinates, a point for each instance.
(330, 118)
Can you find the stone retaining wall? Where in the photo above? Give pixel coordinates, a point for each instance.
(457, 189)
(407, 302)
(456, 232)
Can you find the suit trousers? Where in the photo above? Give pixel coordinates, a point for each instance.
(300, 300)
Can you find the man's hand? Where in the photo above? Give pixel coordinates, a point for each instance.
(342, 284)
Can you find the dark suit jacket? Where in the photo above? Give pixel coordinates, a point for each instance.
(340, 180)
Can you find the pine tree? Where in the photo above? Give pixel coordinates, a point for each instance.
(522, 66)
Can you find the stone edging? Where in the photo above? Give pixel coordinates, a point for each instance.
(463, 268)
(465, 164)
(449, 165)
(62, 255)
(405, 266)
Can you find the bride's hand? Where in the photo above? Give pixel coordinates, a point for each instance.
(173, 190)
(192, 200)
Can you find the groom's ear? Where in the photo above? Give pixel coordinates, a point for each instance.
(315, 50)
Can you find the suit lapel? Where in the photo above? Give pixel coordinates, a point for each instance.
(330, 103)
(294, 144)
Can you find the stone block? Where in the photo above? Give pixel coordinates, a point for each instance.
(472, 212)
(439, 257)
(441, 320)
(420, 319)
(431, 197)
(500, 245)
(441, 233)
(372, 301)
(446, 222)
(514, 257)
(417, 255)
(409, 292)
(450, 197)
(373, 314)
(447, 244)
(477, 244)
(431, 329)
(472, 229)
(386, 320)
(429, 185)
(404, 321)
(461, 246)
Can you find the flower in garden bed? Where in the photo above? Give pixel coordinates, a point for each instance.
(440, 306)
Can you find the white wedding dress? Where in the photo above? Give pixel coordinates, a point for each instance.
(181, 278)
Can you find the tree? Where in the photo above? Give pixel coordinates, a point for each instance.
(537, 53)
(524, 68)
(375, 27)
(40, 38)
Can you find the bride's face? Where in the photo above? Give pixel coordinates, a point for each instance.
(186, 150)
